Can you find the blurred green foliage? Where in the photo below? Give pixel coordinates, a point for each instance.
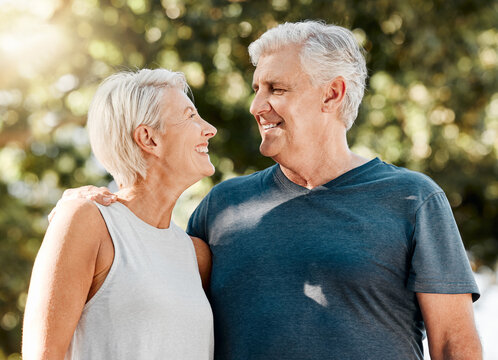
(431, 105)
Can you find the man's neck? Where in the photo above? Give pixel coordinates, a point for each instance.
(311, 174)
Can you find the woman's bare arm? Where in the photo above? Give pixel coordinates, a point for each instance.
(61, 279)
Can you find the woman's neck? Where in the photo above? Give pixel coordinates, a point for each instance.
(152, 199)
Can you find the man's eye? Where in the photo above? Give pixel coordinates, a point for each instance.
(278, 91)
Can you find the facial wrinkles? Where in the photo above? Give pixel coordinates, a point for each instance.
(183, 120)
(304, 123)
(271, 116)
(271, 74)
(182, 134)
(186, 130)
(268, 108)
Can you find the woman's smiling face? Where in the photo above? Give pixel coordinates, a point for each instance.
(185, 136)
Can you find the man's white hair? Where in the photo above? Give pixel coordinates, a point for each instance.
(122, 102)
(328, 51)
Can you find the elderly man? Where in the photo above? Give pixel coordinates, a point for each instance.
(327, 255)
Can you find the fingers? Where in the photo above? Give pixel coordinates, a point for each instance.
(100, 195)
(106, 198)
(103, 190)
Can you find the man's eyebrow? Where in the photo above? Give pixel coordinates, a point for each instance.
(271, 83)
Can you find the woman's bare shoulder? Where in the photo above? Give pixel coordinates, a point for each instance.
(79, 218)
(78, 208)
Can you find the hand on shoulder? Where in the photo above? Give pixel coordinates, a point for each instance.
(101, 195)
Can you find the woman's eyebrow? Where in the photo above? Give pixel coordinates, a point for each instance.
(189, 108)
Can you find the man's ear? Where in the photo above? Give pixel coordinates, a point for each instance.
(334, 93)
(144, 136)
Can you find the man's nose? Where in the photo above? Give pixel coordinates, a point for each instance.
(260, 104)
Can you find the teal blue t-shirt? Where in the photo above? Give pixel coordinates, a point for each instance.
(332, 272)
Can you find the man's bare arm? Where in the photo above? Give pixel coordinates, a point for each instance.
(204, 260)
(451, 331)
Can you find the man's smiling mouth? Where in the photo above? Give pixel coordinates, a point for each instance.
(270, 126)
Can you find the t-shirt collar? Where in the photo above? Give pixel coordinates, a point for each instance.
(284, 182)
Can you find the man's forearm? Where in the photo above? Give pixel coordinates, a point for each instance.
(460, 348)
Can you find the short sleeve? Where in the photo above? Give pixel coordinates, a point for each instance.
(439, 263)
(197, 224)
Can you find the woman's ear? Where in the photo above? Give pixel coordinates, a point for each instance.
(334, 93)
(144, 136)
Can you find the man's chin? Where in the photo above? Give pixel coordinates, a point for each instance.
(267, 150)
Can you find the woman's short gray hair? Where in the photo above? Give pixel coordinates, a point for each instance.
(327, 51)
(122, 102)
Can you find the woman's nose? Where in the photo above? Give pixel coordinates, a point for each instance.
(208, 130)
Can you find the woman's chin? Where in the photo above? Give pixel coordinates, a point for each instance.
(205, 171)
(210, 171)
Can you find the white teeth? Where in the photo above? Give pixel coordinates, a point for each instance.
(202, 149)
(269, 126)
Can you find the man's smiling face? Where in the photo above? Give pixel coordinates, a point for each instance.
(287, 106)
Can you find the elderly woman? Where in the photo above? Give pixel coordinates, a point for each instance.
(122, 282)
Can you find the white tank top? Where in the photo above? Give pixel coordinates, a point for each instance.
(151, 304)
